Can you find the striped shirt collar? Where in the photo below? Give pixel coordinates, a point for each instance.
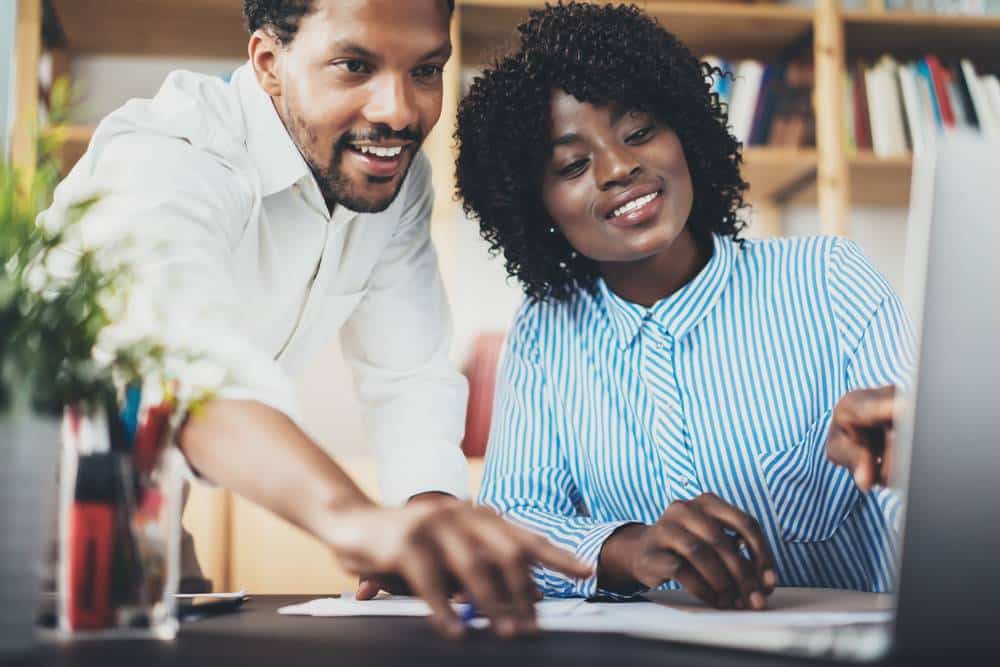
(681, 311)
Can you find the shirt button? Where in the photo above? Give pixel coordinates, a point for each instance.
(686, 482)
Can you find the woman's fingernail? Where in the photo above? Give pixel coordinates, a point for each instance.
(757, 600)
(770, 578)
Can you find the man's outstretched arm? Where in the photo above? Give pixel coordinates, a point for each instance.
(435, 547)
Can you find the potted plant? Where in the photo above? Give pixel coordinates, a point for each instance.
(69, 371)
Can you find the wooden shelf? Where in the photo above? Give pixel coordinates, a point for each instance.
(726, 29)
(210, 28)
(910, 36)
(75, 141)
(875, 181)
(880, 181)
(773, 171)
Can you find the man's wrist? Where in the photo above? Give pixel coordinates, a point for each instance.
(614, 564)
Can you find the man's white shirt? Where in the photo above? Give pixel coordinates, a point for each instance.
(250, 266)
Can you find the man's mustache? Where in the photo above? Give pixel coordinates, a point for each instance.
(383, 133)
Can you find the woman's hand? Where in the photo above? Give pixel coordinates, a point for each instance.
(697, 544)
(446, 546)
(862, 435)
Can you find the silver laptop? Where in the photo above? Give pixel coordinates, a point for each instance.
(948, 600)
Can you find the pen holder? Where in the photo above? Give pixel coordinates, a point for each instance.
(118, 554)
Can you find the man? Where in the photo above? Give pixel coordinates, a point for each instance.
(287, 205)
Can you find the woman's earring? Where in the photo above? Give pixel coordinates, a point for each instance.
(552, 230)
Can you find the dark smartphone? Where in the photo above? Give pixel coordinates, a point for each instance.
(209, 604)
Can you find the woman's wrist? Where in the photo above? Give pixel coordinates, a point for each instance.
(614, 564)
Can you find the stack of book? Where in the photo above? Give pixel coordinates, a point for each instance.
(768, 104)
(893, 108)
(967, 7)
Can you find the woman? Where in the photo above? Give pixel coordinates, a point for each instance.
(676, 405)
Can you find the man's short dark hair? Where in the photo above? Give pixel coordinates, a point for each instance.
(283, 16)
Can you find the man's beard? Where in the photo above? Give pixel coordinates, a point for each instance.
(335, 186)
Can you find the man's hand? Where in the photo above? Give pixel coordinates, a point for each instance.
(369, 587)
(438, 547)
(697, 544)
(862, 435)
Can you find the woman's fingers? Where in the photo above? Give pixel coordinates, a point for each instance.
(861, 436)
(712, 532)
(750, 532)
(702, 558)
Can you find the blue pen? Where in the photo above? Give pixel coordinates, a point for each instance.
(467, 612)
(130, 411)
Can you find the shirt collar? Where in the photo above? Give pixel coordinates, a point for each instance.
(681, 311)
(277, 158)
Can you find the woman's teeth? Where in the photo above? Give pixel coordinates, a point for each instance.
(380, 151)
(634, 204)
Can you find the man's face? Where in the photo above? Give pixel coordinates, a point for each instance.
(360, 89)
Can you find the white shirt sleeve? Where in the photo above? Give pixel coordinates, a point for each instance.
(397, 343)
(175, 212)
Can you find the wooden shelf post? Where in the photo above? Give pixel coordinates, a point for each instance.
(26, 56)
(833, 184)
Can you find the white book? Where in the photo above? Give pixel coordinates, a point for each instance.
(875, 112)
(746, 90)
(894, 108)
(915, 118)
(992, 86)
(988, 122)
(888, 136)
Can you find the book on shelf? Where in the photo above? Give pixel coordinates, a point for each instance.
(767, 104)
(901, 107)
(963, 7)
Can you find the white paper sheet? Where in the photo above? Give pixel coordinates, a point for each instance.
(400, 605)
(801, 620)
(674, 614)
(786, 607)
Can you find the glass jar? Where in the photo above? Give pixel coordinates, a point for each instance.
(120, 488)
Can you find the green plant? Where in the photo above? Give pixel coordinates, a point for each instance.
(49, 324)
(54, 301)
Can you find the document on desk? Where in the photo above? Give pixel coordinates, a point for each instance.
(402, 605)
(674, 612)
(786, 607)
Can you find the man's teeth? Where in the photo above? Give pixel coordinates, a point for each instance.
(634, 204)
(380, 151)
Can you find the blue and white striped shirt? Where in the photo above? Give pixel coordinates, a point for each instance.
(608, 411)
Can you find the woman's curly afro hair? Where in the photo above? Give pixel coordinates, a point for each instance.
(599, 54)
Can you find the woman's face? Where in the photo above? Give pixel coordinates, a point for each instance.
(616, 182)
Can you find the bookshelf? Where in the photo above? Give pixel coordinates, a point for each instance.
(153, 27)
(727, 29)
(910, 36)
(827, 175)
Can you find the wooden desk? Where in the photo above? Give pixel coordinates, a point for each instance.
(257, 635)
